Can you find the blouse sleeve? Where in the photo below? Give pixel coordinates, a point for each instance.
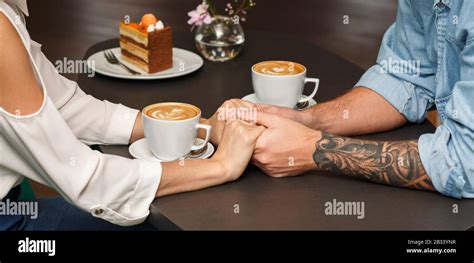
(92, 121)
(44, 149)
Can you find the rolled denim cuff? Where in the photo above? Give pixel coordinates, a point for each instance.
(403, 95)
(442, 166)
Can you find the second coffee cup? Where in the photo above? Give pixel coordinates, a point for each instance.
(281, 83)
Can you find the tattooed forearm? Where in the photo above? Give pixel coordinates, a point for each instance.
(395, 163)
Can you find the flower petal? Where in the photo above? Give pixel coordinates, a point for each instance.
(207, 19)
(191, 21)
(193, 13)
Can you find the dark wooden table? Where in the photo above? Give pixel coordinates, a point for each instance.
(263, 202)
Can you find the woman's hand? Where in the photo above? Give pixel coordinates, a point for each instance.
(237, 146)
(228, 163)
(230, 110)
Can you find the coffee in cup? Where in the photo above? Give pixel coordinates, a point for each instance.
(281, 83)
(279, 68)
(171, 129)
(172, 111)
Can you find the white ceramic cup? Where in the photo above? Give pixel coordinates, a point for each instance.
(171, 140)
(282, 90)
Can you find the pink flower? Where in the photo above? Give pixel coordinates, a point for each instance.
(200, 15)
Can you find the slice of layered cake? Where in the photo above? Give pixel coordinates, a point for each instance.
(147, 45)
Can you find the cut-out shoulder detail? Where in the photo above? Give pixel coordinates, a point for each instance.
(22, 89)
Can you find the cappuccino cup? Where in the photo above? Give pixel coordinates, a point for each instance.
(281, 83)
(171, 129)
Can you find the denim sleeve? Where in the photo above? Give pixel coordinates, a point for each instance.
(403, 75)
(448, 154)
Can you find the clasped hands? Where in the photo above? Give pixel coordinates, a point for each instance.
(284, 146)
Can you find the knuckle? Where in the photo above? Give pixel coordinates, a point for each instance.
(263, 159)
(226, 104)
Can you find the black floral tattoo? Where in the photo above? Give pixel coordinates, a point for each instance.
(395, 163)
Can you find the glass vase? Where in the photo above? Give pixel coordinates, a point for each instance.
(221, 40)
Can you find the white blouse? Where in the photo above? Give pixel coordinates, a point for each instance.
(49, 146)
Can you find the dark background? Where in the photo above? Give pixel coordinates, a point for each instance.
(69, 28)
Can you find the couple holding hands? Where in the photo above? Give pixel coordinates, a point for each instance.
(47, 122)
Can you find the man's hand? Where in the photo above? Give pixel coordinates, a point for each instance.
(304, 117)
(285, 148)
(234, 109)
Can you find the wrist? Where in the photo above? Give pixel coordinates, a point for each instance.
(309, 118)
(221, 170)
(313, 137)
(137, 131)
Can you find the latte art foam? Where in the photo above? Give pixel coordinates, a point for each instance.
(172, 111)
(174, 114)
(279, 68)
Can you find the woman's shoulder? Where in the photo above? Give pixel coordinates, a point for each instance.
(15, 20)
(18, 84)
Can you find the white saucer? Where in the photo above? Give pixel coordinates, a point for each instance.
(140, 150)
(253, 98)
(184, 62)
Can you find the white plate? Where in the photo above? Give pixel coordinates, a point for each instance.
(253, 98)
(140, 150)
(184, 62)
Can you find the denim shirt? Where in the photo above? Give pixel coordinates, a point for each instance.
(426, 60)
